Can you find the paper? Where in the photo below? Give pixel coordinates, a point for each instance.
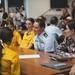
(29, 56)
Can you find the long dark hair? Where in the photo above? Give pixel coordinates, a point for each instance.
(6, 35)
(72, 3)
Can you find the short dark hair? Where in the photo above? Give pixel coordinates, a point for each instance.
(42, 17)
(17, 9)
(53, 20)
(41, 22)
(6, 34)
(31, 19)
(71, 25)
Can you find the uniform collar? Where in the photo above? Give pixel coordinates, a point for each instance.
(14, 32)
(41, 34)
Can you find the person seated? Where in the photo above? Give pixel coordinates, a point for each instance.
(63, 18)
(65, 14)
(63, 28)
(72, 9)
(16, 40)
(54, 30)
(4, 17)
(42, 41)
(44, 19)
(67, 47)
(9, 61)
(28, 37)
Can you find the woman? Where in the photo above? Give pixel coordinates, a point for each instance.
(16, 40)
(62, 21)
(65, 14)
(73, 10)
(67, 47)
(28, 38)
(23, 17)
(9, 61)
(4, 17)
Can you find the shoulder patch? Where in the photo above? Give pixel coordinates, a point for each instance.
(45, 34)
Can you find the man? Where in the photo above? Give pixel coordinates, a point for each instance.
(42, 41)
(54, 30)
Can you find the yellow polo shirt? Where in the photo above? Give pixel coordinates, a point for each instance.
(9, 62)
(28, 38)
(16, 40)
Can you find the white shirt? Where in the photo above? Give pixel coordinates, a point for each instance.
(24, 14)
(54, 30)
(45, 43)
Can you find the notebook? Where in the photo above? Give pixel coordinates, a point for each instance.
(56, 65)
(62, 73)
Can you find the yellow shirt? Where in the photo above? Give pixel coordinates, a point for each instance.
(28, 38)
(16, 40)
(9, 62)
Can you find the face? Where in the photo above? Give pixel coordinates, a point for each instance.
(29, 25)
(21, 9)
(37, 29)
(15, 10)
(64, 11)
(69, 33)
(74, 4)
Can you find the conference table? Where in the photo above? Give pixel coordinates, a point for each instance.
(32, 66)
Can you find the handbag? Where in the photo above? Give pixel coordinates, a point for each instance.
(59, 57)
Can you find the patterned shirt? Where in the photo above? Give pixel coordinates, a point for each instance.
(67, 46)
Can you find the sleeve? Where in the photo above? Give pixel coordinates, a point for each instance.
(15, 67)
(50, 44)
(32, 39)
(19, 39)
(59, 32)
(61, 17)
(35, 43)
(62, 47)
(24, 14)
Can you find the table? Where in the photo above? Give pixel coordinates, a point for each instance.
(32, 66)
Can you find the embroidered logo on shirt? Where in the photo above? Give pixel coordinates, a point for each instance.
(28, 33)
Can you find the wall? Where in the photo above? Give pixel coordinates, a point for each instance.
(34, 8)
(37, 7)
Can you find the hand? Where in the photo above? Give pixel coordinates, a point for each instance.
(36, 51)
(72, 72)
(68, 54)
(73, 55)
